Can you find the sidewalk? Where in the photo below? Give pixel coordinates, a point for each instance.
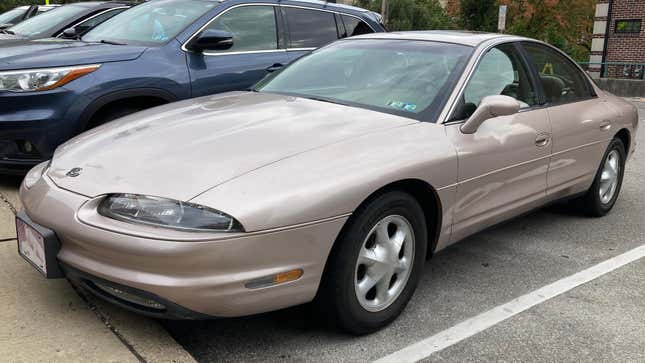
(47, 320)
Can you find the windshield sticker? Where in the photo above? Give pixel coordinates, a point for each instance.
(404, 106)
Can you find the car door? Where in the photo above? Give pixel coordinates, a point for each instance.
(308, 29)
(258, 48)
(581, 122)
(503, 165)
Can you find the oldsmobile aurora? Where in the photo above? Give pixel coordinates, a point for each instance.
(332, 181)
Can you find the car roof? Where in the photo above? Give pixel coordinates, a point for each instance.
(334, 5)
(91, 4)
(469, 38)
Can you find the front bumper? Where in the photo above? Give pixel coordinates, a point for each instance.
(195, 279)
(32, 125)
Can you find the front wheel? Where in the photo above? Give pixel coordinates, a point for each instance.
(602, 195)
(375, 266)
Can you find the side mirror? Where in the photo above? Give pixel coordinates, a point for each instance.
(69, 33)
(490, 106)
(212, 39)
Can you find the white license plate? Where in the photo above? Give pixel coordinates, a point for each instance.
(31, 245)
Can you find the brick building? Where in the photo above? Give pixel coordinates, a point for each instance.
(619, 37)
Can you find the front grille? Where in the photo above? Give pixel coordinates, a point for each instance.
(134, 300)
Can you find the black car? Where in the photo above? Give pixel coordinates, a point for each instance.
(14, 16)
(68, 21)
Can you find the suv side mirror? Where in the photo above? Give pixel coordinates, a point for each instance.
(490, 106)
(212, 39)
(69, 33)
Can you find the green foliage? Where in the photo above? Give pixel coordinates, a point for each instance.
(479, 15)
(567, 25)
(411, 14)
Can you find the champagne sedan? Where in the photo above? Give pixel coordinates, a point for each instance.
(333, 180)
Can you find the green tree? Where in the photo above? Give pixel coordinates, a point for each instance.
(479, 15)
(411, 14)
(567, 25)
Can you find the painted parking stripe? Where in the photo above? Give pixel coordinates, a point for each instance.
(483, 321)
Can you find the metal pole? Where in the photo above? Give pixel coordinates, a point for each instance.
(384, 8)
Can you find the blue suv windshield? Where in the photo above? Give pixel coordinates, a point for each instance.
(151, 23)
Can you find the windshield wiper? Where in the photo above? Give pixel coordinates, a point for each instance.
(7, 31)
(103, 41)
(322, 100)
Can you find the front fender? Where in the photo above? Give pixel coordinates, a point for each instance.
(333, 180)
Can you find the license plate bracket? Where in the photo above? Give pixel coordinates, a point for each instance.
(39, 246)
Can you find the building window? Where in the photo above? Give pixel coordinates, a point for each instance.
(628, 26)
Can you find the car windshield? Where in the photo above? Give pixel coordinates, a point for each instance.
(35, 26)
(151, 23)
(404, 77)
(10, 16)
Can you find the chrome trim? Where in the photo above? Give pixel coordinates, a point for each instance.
(246, 52)
(92, 17)
(300, 49)
(185, 49)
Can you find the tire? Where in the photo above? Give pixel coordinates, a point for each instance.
(110, 114)
(592, 203)
(353, 306)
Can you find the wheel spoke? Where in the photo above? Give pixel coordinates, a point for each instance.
(365, 285)
(403, 265)
(397, 241)
(382, 235)
(383, 287)
(369, 257)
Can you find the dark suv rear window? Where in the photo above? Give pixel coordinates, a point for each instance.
(355, 26)
(310, 28)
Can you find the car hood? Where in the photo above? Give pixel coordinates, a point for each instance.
(185, 148)
(10, 38)
(19, 53)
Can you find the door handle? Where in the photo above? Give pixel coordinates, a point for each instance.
(605, 126)
(275, 67)
(542, 140)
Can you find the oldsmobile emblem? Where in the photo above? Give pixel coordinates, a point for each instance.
(74, 172)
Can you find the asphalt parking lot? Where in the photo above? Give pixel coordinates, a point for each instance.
(602, 320)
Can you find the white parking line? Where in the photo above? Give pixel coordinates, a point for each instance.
(483, 321)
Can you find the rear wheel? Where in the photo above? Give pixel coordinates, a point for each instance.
(602, 195)
(375, 266)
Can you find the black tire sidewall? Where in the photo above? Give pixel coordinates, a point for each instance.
(353, 317)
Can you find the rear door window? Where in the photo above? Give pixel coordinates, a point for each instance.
(561, 80)
(310, 28)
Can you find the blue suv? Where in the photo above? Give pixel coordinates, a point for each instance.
(154, 53)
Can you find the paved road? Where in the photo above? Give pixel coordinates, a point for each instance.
(603, 320)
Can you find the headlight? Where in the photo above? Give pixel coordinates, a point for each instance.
(34, 175)
(30, 80)
(166, 213)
